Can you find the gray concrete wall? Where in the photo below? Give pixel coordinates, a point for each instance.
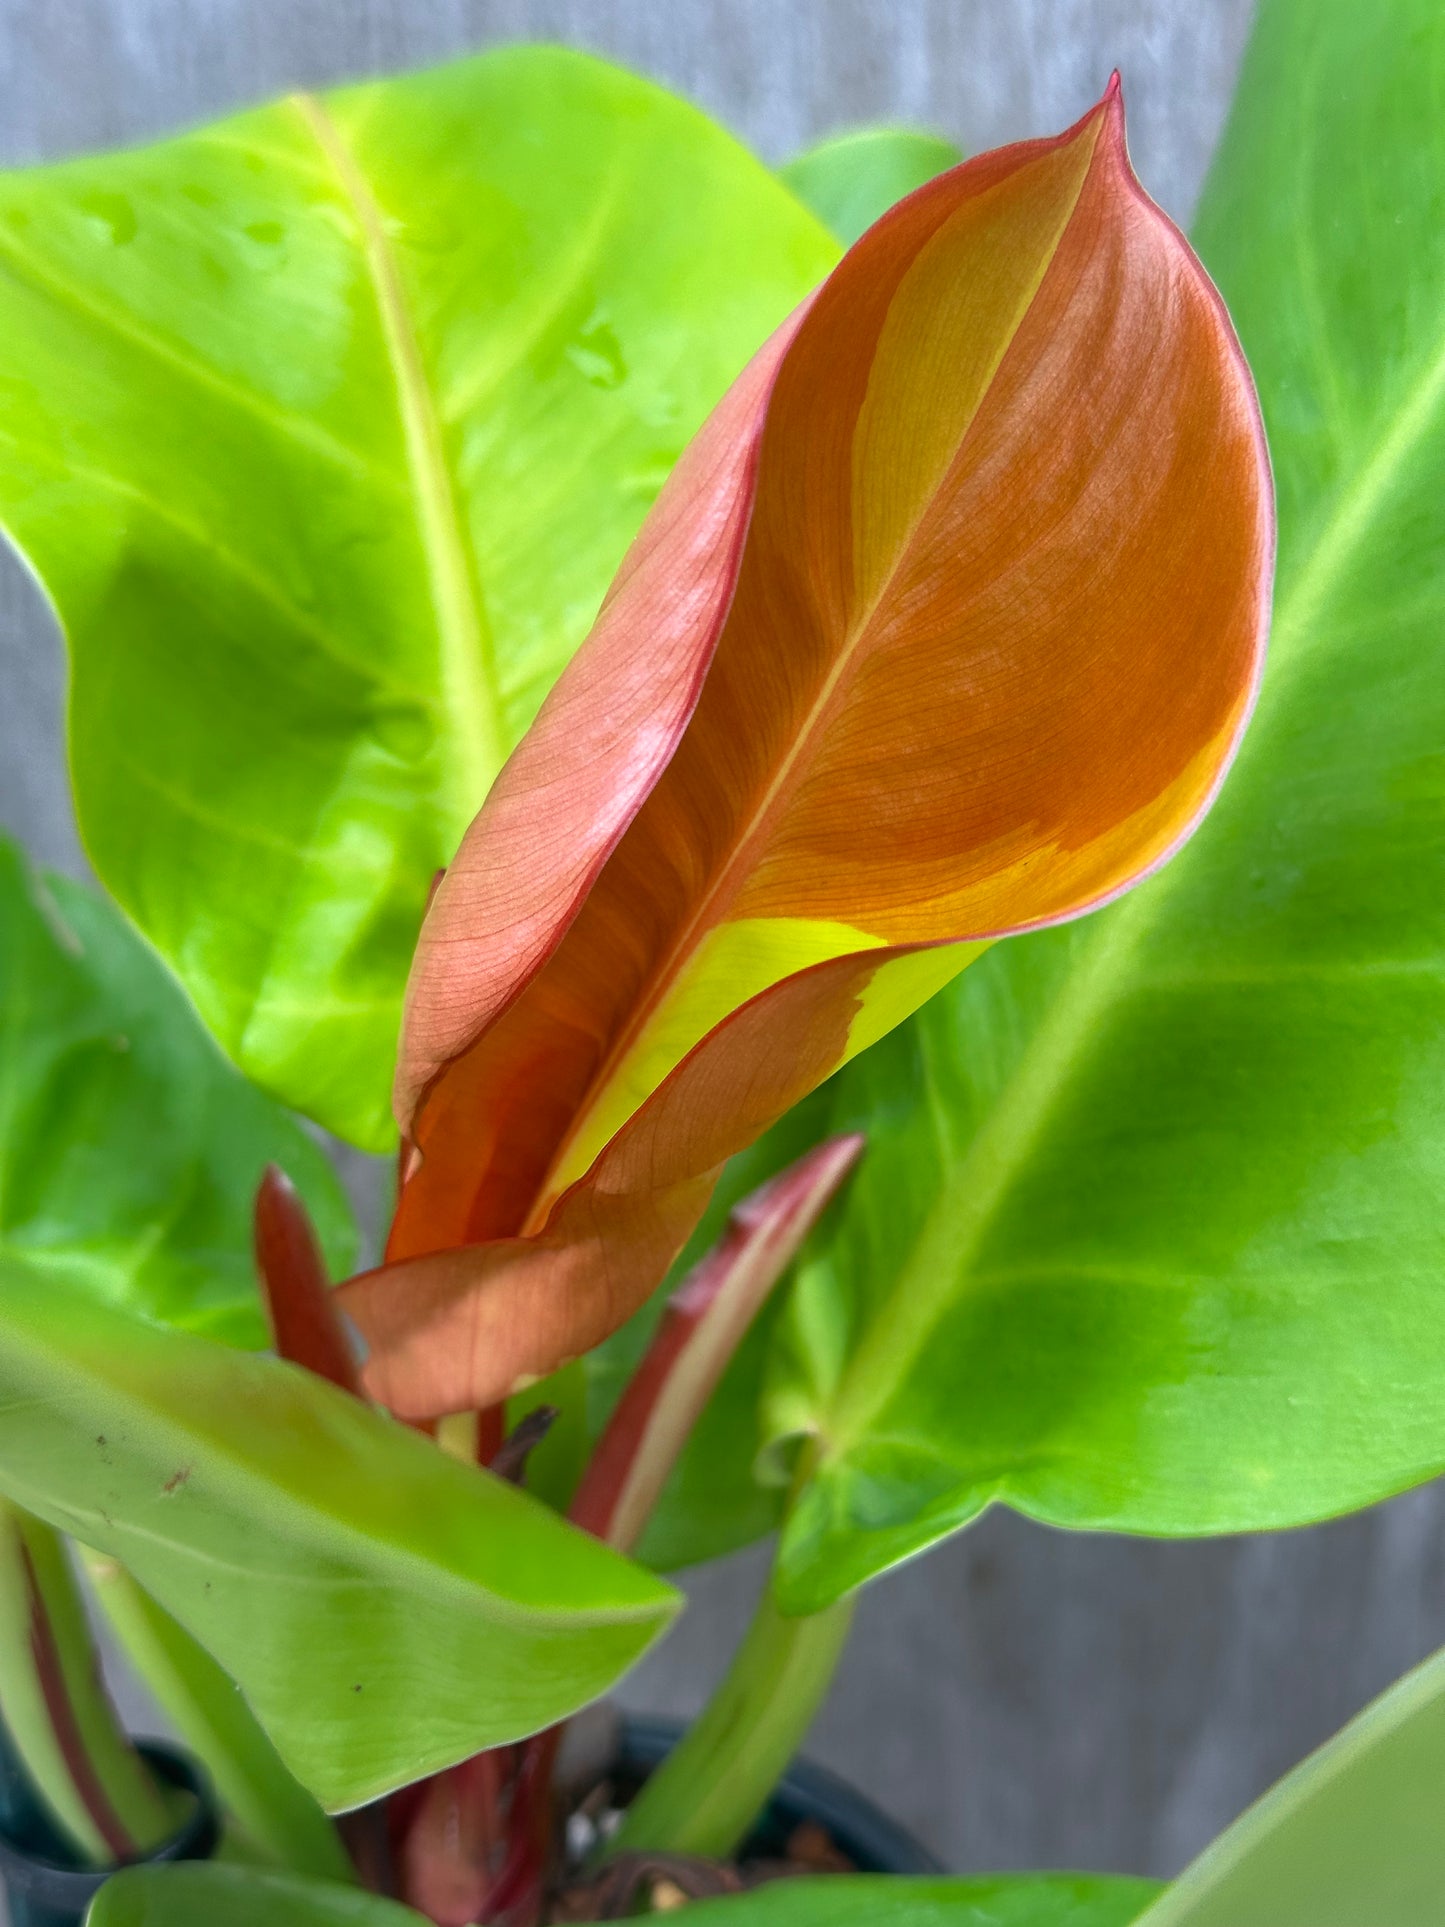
(1022, 1698)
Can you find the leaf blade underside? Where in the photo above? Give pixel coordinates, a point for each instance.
(353, 1580)
(947, 481)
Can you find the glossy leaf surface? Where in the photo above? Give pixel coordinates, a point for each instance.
(1149, 1235)
(706, 1508)
(357, 1583)
(850, 179)
(325, 429)
(1351, 1836)
(863, 1900)
(241, 1897)
(129, 1148)
(908, 684)
(710, 1504)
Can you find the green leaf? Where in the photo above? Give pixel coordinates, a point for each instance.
(325, 429)
(278, 1819)
(226, 1897)
(850, 179)
(385, 1609)
(875, 1900)
(1352, 1836)
(1149, 1235)
(180, 1896)
(230, 1897)
(129, 1148)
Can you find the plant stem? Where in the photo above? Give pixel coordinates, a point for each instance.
(92, 1784)
(710, 1789)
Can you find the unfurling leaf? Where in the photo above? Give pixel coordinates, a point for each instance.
(946, 627)
(294, 1285)
(91, 1791)
(701, 1326)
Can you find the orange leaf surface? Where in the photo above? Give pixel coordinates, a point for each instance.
(947, 628)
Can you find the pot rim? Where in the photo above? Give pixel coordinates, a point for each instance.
(52, 1884)
(872, 1841)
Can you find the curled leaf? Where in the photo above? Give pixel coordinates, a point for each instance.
(947, 628)
(294, 1285)
(701, 1327)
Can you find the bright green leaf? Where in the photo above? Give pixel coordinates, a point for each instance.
(278, 1820)
(129, 1148)
(226, 1897)
(385, 1609)
(182, 1896)
(1351, 1838)
(1011, 1900)
(325, 428)
(849, 180)
(1149, 1232)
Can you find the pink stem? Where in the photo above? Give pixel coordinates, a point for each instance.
(68, 1738)
(701, 1327)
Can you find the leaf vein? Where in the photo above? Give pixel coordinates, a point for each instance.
(473, 704)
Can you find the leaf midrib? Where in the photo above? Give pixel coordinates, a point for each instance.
(472, 695)
(727, 881)
(952, 1233)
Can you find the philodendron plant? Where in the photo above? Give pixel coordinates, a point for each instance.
(586, 686)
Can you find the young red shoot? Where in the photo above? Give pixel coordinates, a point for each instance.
(701, 1328)
(297, 1292)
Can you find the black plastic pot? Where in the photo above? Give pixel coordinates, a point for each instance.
(873, 1842)
(45, 1886)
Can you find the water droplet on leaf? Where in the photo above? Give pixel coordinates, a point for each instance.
(113, 211)
(597, 355)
